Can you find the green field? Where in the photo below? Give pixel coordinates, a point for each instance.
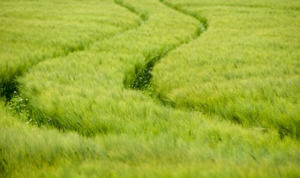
(149, 88)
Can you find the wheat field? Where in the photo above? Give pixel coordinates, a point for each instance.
(149, 88)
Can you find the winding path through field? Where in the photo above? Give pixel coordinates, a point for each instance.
(141, 79)
(100, 74)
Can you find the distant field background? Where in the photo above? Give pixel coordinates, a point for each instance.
(149, 88)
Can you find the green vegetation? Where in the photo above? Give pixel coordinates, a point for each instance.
(130, 88)
(84, 91)
(33, 31)
(245, 68)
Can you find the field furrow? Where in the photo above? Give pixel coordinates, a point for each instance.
(141, 78)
